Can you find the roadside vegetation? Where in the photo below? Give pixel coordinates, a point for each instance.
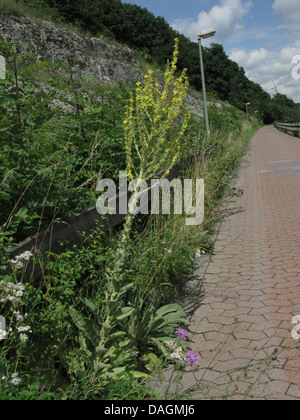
(109, 309)
(104, 316)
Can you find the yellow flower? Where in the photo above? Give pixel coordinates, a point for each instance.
(151, 116)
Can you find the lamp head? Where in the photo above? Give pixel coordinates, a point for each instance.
(206, 34)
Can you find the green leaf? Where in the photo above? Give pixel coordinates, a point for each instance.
(100, 349)
(125, 288)
(137, 375)
(111, 351)
(100, 366)
(126, 312)
(112, 305)
(116, 335)
(90, 305)
(124, 343)
(84, 325)
(4, 127)
(156, 324)
(118, 370)
(153, 362)
(174, 307)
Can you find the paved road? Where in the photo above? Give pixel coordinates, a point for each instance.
(251, 290)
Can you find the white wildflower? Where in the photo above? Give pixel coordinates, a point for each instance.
(170, 343)
(23, 329)
(23, 337)
(18, 261)
(3, 334)
(15, 380)
(177, 356)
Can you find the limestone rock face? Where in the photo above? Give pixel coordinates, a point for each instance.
(106, 63)
(90, 58)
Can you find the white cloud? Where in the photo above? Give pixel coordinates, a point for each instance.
(226, 19)
(271, 69)
(288, 9)
(269, 65)
(272, 66)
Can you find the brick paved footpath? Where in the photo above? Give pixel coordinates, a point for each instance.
(251, 289)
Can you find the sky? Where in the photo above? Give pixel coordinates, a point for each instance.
(262, 36)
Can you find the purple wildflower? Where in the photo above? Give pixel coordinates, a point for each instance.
(181, 334)
(192, 358)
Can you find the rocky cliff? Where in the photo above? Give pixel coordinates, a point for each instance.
(106, 63)
(99, 60)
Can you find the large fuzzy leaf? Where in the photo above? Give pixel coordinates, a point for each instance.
(85, 326)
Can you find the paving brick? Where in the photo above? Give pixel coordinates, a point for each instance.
(277, 387)
(234, 364)
(294, 391)
(242, 328)
(251, 335)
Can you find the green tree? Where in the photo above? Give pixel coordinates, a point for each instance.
(153, 36)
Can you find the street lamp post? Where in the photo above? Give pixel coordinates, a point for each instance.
(202, 35)
(247, 111)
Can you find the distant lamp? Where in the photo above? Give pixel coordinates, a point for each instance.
(249, 103)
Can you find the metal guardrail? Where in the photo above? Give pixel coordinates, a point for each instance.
(292, 128)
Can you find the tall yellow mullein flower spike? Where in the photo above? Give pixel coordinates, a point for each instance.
(175, 55)
(153, 129)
